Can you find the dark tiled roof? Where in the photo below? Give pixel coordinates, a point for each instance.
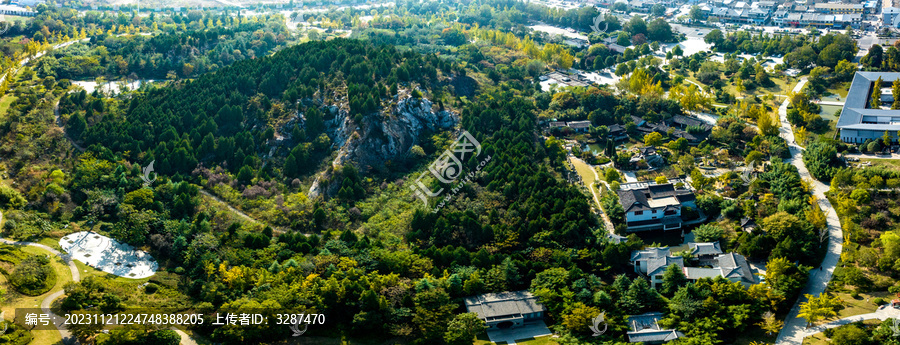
(646, 151)
(658, 265)
(745, 222)
(705, 248)
(637, 199)
(633, 200)
(494, 305)
(735, 265)
(686, 121)
(649, 253)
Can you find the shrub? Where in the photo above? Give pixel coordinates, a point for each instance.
(33, 275)
(708, 233)
(11, 198)
(151, 288)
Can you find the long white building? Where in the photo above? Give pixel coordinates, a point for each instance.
(858, 121)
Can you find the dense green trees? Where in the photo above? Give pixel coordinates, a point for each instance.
(234, 105)
(33, 275)
(821, 159)
(800, 51)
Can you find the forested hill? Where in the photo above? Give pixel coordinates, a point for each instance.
(233, 116)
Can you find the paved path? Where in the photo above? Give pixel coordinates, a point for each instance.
(64, 333)
(185, 338)
(606, 221)
(830, 103)
(794, 327)
(629, 176)
(868, 156)
(881, 314)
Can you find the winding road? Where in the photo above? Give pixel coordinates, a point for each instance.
(794, 327)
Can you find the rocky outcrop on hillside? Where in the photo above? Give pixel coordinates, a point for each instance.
(386, 136)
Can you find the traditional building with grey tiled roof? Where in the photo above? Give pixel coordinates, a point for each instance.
(505, 309)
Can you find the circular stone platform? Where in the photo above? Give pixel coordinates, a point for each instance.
(108, 255)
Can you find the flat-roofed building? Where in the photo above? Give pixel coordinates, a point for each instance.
(505, 309)
(858, 121)
(839, 8)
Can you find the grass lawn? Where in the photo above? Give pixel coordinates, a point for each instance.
(51, 242)
(862, 305)
(892, 164)
(837, 90)
(829, 112)
(5, 102)
(16, 300)
(482, 339)
(779, 87)
(586, 173)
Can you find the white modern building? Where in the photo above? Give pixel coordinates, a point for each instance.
(859, 121)
(15, 10)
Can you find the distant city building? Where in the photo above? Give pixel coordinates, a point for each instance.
(839, 8)
(890, 16)
(13, 10)
(28, 3)
(858, 121)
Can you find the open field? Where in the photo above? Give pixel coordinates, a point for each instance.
(862, 305)
(5, 102)
(892, 164)
(16, 300)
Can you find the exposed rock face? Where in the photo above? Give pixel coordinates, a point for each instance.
(386, 136)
